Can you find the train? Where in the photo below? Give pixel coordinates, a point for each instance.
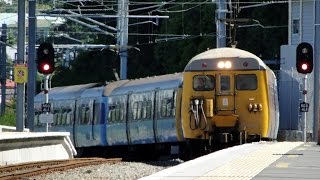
(224, 95)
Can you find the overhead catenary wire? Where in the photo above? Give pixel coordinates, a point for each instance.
(162, 7)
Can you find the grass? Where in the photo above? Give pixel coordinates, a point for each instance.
(9, 116)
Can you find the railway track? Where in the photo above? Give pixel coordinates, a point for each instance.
(24, 170)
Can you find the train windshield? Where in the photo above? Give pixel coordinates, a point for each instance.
(203, 82)
(246, 82)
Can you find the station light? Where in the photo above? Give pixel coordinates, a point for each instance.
(304, 58)
(45, 58)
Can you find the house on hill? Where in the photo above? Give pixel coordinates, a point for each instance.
(10, 90)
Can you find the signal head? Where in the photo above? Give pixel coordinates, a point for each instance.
(45, 58)
(304, 58)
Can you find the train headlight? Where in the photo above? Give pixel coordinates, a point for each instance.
(260, 107)
(228, 64)
(221, 64)
(255, 107)
(250, 106)
(224, 64)
(196, 101)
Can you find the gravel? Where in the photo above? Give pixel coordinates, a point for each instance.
(119, 171)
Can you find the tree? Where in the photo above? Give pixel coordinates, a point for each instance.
(90, 66)
(265, 42)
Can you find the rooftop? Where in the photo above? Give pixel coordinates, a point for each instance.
(11, 19)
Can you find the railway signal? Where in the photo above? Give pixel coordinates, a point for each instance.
(304, 58)
(45, 58)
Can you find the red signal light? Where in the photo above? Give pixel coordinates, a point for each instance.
(45, 58)
(304, 66)
(46, 67)
(304, 58)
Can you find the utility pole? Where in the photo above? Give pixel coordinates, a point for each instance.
(316, 74)
(122, 26)
(122, 34)
(3, 63)
(31, 64)
(220, 23)
(20, 60)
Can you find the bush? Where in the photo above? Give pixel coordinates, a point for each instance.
(9, 116)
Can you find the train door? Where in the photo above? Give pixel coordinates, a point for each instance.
(84, 126)
(140, 122)
(225, 94)
(116, 131)
(165, 122)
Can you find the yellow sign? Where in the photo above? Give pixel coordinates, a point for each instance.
(20, 73)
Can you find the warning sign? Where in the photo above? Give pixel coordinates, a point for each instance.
(20, 73)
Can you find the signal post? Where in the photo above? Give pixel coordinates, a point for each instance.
(45, 66)
(304, 65)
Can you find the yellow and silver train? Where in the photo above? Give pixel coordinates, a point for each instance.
(224, 95)
(228, 95)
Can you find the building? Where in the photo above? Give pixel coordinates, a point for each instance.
(303, 26)
(10, 90)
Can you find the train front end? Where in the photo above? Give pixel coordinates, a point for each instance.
(226, 98)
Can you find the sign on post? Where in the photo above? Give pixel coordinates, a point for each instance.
(46, 118)
(304, 107)
(46, 107)
(20, 73)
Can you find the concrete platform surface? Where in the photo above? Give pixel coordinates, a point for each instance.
(261, 161)
(21, 147)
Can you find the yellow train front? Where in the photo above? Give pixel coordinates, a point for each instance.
(228, 95)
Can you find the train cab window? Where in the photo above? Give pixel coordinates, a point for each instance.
(224, 83)
(246, 82)
(203, 82)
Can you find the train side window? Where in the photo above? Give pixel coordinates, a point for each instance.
(139, 110)
(112, 112)
(167, 107)
(164, 107)
(55, 116)
(144, 110)
(64, 116)
(117, 112)
(135, 110)
(96, 113)
(37, 118)
(148, 109)
(84, 114)
(246, 82)
(174, 98)
(121, 112)
(69, 117)
(203, 83)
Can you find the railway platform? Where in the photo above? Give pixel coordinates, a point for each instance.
(21, 147)
(258, 161)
